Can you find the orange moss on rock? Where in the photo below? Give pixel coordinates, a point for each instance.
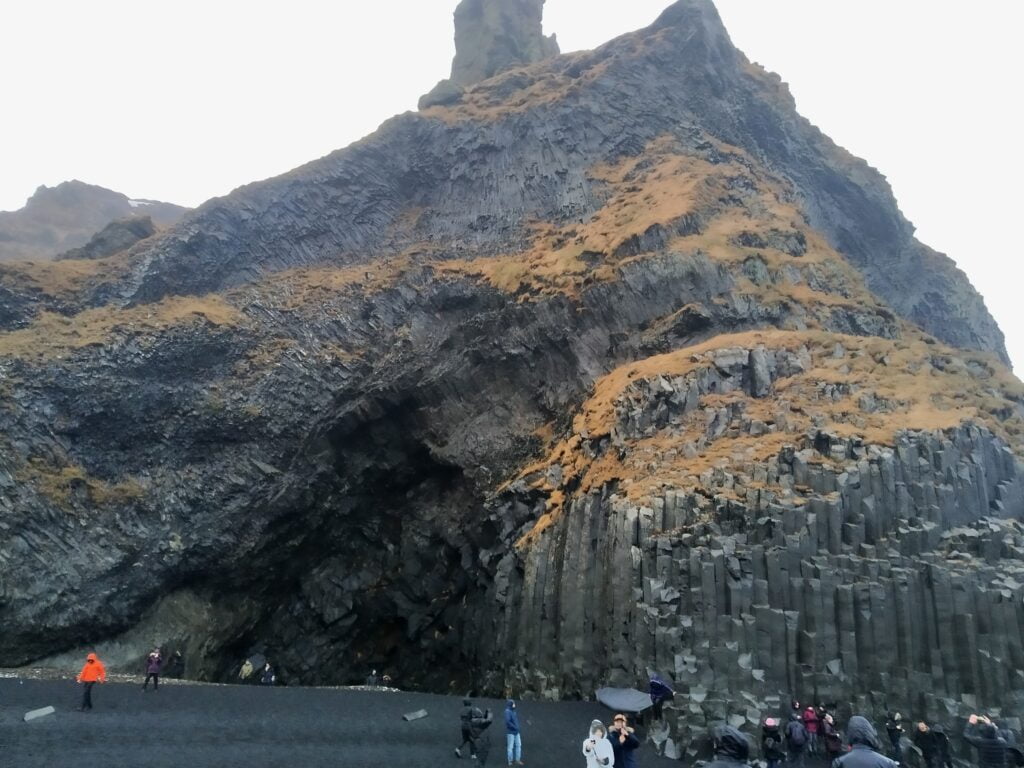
(64, 279)
(52, 335)
(859, 387)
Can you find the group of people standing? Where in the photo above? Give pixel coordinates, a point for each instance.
(603, 748)
(732, 750)
(614, 746)
(94, 671)
(811, 731)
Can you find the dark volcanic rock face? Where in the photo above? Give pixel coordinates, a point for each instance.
(58, 219)
(492, 36)
(114, 238)
(614, 363)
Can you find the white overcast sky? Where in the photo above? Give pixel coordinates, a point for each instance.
(183, 101)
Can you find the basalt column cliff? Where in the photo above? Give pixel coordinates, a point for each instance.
(604, 363)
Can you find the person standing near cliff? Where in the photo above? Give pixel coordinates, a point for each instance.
(864, 747)
(811, 723)
(831, 738)
(267, 677)
(983, 735)
(154, 663)
(597, 749)
(894, 729)
(771, 743)
(513, 734)
(796, 740)
(732, 750)
(474, 722)
(93, 672)
(624, 742)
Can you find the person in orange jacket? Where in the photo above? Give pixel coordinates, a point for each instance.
(93, 672)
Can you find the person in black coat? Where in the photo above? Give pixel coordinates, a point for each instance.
(624, 742)
(928, 742)
(942, 745)
(771, 743)
(474, 722)
(981, 734)
(732, 750)
(864, 747)
(894, 729)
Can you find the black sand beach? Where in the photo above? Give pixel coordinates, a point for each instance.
(200, 726)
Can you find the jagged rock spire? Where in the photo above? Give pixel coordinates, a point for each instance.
(490, 37)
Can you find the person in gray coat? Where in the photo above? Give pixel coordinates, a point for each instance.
(865, 749)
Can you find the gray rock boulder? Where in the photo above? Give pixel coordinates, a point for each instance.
(492, 36)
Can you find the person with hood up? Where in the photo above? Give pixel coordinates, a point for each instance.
(93, 672)
(771, 743)
(864, 747)
(267, 676)
(154, 663)
(660, 692)
(982, 734)
(624, 742)
(513, 736)
(732, 750)
(597, 749)
(796, 739)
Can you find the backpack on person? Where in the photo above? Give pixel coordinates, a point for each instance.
(796, 734)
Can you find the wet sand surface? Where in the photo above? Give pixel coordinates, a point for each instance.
(195, 726)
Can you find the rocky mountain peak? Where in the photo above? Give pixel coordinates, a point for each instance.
(492, 36)
(64, 217)
(619, 322)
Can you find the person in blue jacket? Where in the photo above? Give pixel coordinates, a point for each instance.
(624, 742)
(513, 736)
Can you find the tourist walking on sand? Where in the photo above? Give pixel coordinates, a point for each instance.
(267, 677)
(732, 750)
(93, 672)
(154, 663)
(597, 749)
(473, 722)
(865, 751)
(624, 742)
(513, 734)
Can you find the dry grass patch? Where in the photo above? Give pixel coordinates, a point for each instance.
(885, 387)
(52, 335)
(59, 483)
(64, 279)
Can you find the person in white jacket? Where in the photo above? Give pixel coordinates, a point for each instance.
(597, 749)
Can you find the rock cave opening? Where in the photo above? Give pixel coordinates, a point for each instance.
(371, 574)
